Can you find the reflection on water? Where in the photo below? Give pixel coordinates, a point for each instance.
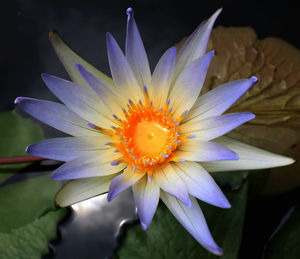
(90, 232)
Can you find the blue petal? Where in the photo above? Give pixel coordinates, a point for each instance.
(122, 74)
(213, 127)
(135, 51)
(56, 115)
(200, 183)
(192, 219)
(122, 182)
(218, 100)
(146, 196)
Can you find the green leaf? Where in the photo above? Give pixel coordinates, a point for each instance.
(166, 238)
(31, 241)
(16, 133)
(285, 243)
(28, 217)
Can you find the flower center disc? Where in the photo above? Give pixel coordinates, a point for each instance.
(150, 138)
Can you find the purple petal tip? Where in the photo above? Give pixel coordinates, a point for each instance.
(254, 79)
(129, 11)
(144, 226)
(18, 100)
(27, 149)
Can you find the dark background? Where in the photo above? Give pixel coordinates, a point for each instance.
(26, 52)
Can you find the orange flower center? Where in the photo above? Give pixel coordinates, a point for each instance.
(148, 137)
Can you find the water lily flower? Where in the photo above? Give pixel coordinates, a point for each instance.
(152, 132)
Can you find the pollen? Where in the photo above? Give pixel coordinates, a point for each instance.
(148, 136)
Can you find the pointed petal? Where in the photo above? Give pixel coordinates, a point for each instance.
(82, 189)
(193, 150)
(200, 184)
(108, 95)
(213, 127)
(135, 51)
(249, 158)
(195, 46)
(69, 148)
(169, 181)
(188, 85)
(122, 182)
(146, 196)
(161, 78)
(56, 115)
(122, 74)
(192, 219)
(69, 58)
(96, 163)
(80, 100)
(218, 100)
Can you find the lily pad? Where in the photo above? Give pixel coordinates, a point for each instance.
(166, 238)
(28, 214)
(28, 217)
(16, 133)
(275, 99)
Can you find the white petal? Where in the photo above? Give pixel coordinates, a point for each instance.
(135, 51)
(169, 181)
(69, 148)
(81, 189)
(82, 101)
(249, 158)
(122, 182)
(108, 95)
(192, 219)
(200, 184)
(146, 196)
(122, 74)
(96, 163)
(213, 127)
(69, 59)
(187, 87)
(57, 116)
(218, 100)
(193, 150)
(161, 78)
(195, 46)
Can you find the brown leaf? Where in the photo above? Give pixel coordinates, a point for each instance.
(275, 99)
